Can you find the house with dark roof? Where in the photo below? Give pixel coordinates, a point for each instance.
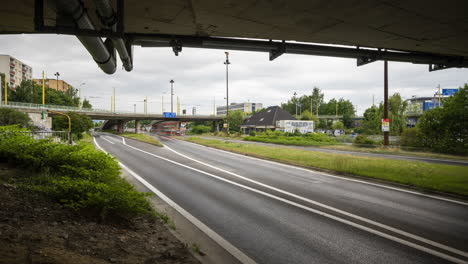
(265, 119)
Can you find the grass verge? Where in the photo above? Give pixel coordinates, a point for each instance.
(142, 137)
(425, 176)
(395, 151)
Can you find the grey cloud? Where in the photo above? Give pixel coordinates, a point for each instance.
(200, 75)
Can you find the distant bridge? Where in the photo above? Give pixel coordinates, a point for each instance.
(101, 114)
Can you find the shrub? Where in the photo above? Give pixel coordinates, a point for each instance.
(412, 137)
(78, 176)
(363, 140)
(10, 116)
(252, 133)
(200, 129)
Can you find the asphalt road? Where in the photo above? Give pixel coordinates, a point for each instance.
(281, 214)
(354, 153)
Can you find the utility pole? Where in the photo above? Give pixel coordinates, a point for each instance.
(43, 89)
(373, 100)
(439, 95)
(57, 74)
(134, 108)
(214, 106)
(146, 105)
(386, 133)
(178, 106)
(227, 90)
(113, 102)
(162, 104)
(172, 95)
(312, 95)
(336, 106)
(296, 102)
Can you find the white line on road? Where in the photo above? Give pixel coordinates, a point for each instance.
(389, 228)
(106, 139)
(336, 218)
(333, 176)
(243, 258)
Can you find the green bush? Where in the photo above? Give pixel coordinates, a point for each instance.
(200, 129)
(77, 176)
(412, 137)
(287, 138)
(363, 140)
(253, 133)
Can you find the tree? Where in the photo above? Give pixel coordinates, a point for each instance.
(397, 107)
(10, 116)
(372, 122)
(236, 118)
(338, 125)
(445, 129)
(79, 123)
(30, 92)
(86, 104)
(306, 115)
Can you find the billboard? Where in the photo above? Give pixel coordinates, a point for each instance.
(449, 92)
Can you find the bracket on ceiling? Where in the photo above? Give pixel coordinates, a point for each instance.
(278, 51)
(176, 46)
(363, 60)
(438, 67)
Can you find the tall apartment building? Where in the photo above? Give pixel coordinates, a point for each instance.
(243, 107)
(14, 70)
(59, 85)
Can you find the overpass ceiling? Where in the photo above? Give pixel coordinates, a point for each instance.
(439, 27)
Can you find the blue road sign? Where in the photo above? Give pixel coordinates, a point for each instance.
(169, 114)
(449, 91)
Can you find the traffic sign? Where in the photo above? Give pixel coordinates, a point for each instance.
(169, 114)
(449, 91)
(386, 125)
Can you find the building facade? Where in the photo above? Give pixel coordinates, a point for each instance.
(14, 70)
(243, 107)
(59, 85)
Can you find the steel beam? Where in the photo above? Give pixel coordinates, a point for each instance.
(364, 55)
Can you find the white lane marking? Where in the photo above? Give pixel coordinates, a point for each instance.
(333, 176)
(243, 258)
(389, 228)
(108, 140)
(112, 139)
(336, 218)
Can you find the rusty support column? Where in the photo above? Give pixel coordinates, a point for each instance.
(386, 134)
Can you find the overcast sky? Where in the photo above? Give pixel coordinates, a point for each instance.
(199, 75)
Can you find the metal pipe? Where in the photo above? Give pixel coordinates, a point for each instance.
(109, 20)
(95, 46)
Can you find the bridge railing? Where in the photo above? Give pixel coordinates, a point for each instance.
(81, 110)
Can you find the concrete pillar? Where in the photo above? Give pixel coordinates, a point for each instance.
(120, 126)
(137, 126)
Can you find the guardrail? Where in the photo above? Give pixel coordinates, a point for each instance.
(83, 110)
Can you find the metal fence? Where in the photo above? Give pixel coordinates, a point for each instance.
(80, 110)
(55, 136)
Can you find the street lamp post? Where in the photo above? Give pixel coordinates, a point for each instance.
(227, 90)
(57, 74)
(172, 95)
(79, 95)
